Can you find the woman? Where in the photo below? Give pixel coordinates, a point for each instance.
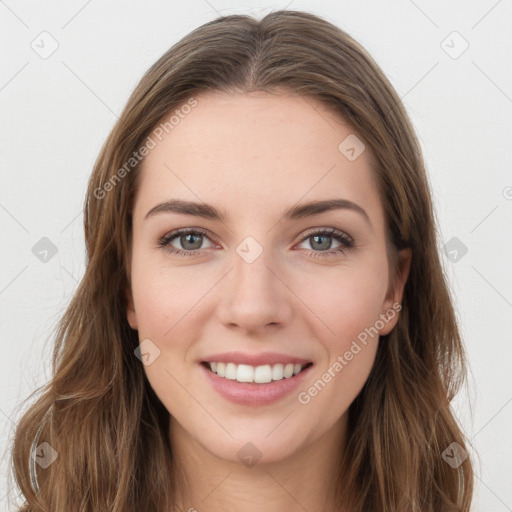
(302, 352)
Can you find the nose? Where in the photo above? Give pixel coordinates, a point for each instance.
(255, 295)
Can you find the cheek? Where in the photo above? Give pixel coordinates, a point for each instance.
(349, 303)
(164, 298)
(167, 304)
(346, 299)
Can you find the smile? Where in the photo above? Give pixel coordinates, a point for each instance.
(262, 374)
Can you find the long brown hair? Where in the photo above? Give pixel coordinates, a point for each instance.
(99, 413)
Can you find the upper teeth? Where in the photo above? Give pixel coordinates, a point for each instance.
(257, 374)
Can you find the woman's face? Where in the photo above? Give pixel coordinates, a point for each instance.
(256, 285)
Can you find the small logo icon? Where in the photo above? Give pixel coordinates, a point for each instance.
(147, 352)
(45, 455)
(249, 455)
(249, 249)
(455, 455)
(455, 249)
(507, 193)
(351, 147)
(454, 45)
(45, 45)
(45, 249)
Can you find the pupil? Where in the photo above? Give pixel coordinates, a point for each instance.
(187, 237)
(325, 245)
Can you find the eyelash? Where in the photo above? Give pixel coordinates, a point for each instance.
(346, 241)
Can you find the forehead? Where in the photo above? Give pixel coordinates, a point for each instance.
(245, 151)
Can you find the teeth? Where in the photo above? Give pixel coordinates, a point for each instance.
(221, 369)
(257, 374)
(277, 372)
(288, 370)
(230, 371)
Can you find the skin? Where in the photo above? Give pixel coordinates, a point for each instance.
(252, 156)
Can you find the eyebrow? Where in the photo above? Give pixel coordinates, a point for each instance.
(208, 211)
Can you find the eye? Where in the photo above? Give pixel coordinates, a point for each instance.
(321, 241)
(190, 239)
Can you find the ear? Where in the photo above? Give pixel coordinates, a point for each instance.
(393, 301)
(131, 315)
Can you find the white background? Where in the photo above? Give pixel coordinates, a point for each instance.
(56, 113)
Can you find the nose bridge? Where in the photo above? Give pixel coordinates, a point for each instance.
(252, 277)
(253, 295)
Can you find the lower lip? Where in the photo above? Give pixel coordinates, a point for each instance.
(245, 393)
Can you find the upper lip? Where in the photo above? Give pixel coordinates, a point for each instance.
(260, 359)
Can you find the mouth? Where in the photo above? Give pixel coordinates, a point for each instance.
(262, 374)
